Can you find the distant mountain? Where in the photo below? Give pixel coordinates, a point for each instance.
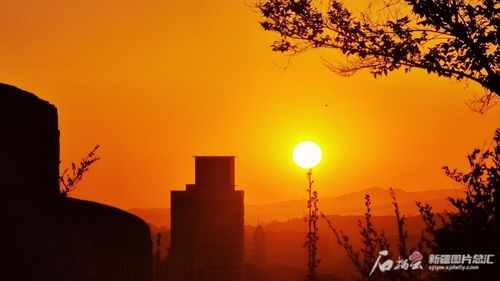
(353, 204)
(344, 205)
(158, 217)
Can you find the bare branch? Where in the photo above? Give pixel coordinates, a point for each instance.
(69, 179)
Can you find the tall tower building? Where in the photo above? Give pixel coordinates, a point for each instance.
(207, 223)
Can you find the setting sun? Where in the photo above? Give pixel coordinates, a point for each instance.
(307, 154)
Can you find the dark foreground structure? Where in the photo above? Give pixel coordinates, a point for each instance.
(207, 224)
(44, 237)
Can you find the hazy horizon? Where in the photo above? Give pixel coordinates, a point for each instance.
(350, 204)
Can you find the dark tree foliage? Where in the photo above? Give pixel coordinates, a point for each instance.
(452, 38)
(69, 180)
(474, 227)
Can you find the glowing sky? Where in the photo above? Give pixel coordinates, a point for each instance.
(155, 82)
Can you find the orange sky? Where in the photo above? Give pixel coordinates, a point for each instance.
(155, 82)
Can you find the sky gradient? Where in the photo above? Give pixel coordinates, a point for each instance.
(156, 82)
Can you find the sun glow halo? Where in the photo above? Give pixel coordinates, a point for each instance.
(307, 154)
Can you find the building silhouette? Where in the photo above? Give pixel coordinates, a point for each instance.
(207, 224)
(47, 237)
(259, 247)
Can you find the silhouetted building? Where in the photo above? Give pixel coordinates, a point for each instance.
(259, 247)
(46, 237)
(207, 223)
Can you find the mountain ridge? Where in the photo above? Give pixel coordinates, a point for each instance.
(344, 205)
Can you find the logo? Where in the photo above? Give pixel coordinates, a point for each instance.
(413, 262)
(436, 262)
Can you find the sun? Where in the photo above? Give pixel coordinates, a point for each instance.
(307, 154)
